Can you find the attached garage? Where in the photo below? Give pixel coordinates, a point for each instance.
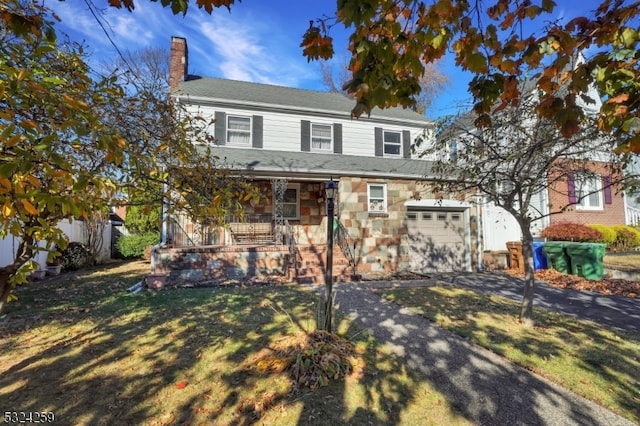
(439, 239)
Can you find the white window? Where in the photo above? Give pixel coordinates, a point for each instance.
(377, 197)
(589, 192)
(453, 151)
(392, 144)
(291, 202)
(238, 130)
(321, 137)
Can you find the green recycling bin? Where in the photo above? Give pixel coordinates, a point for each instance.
(587, 259)
(557, 258)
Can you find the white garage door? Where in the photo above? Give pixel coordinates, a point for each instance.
(437, 240)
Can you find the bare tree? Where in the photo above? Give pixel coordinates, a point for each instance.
(515, 159)
(432, 82)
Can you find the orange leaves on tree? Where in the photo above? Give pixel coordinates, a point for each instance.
(316, 45)
(128, 4)
(30, 208)
(7, 209)
(621, 98)
(5, 183)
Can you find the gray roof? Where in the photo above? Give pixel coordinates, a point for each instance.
(284, 97)
(311, 165)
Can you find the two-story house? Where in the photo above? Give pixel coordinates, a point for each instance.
(292, 141)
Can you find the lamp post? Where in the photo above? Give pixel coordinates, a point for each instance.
(331, 190)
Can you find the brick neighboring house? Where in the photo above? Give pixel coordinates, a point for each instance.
(291, 142)
(593, 199)
(593, 196)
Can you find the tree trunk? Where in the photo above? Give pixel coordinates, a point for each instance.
(526, 311)
(5, 289)
(23, 254)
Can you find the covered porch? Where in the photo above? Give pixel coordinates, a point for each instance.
(284, 237)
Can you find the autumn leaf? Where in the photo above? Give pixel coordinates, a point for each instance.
(6, 209)
(30, 208)
(6, 183)
(181, 385)
(621, 98)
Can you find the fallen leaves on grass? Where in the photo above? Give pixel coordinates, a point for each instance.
(310, 359)
(610, 286)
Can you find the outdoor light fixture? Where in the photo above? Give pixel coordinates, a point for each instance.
(331, 190)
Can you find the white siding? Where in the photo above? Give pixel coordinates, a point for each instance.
(282, 131)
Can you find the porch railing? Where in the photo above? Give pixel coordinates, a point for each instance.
(633, 216)
(181, 231)
(342, 238)
(176, 234)
(290, 241)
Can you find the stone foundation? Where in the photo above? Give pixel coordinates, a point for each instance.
(215, 262)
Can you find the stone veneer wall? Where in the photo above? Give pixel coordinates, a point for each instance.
(311, 227)
(213, 262)
(381, 239)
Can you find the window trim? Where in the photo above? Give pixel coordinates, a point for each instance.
(385, 143)
(385, 200)
(249, 132)
(295, 186)
(595, 182)
(331, 138)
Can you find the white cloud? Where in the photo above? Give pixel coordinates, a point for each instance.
(243, 48)
(239, 52)
(250, 44)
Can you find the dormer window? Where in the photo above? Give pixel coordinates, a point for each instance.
(321, 137)
(238, 130)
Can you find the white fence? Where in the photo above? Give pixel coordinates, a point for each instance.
(75, 231)
(498, 227)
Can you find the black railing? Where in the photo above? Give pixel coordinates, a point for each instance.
(182, 231)
(342, 238)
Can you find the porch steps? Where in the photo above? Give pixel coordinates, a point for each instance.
(310, 265)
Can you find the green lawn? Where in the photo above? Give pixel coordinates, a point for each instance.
(591, 360)
(86, 350)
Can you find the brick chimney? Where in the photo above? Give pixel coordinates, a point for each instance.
(179, 62)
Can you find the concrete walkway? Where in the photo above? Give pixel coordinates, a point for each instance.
(484, 387)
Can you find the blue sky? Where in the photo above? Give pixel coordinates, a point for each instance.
(257, 41)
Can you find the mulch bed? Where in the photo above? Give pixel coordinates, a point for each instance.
(610, 286)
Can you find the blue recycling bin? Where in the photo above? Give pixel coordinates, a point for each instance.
(539, 258)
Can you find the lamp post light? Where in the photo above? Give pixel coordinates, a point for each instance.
(331, 190)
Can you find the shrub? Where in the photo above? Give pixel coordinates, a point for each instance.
(608, 233)
(627, 238)
(75, 256)
(568, 231)
(133, 246)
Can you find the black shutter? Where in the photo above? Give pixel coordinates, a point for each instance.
(221, 127)
(379, 150)
(337, 138)
(406, 144)
(256, 132)
(305, 136)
